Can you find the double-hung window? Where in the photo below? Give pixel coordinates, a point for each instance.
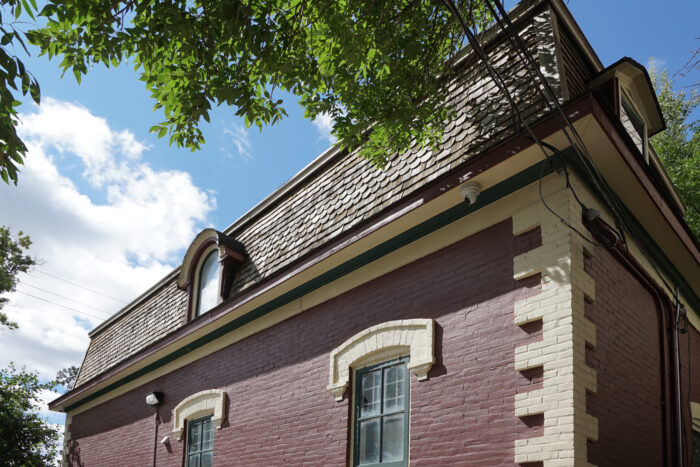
(200, 442)
(381, 415)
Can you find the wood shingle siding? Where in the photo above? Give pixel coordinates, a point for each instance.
(346, 192)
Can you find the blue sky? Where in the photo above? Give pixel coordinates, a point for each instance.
(111, 207)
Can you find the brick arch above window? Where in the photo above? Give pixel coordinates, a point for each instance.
(210, 402)
(412, 337)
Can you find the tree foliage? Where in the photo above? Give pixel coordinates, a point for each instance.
(368, 64)
(25, 438)
(66, 376)
(678, 146)
(13, 260)
(15, 79)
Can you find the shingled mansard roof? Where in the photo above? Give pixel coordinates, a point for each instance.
(339, 191)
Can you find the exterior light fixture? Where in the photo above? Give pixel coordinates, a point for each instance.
(470, 191)
(154, 398)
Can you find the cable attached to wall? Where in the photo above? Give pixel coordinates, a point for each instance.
(622, 220)
(519, 122)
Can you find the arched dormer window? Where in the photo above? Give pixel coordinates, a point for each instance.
(208, 284)
(208, 270)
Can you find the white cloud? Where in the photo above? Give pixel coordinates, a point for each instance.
(324, 125)
(240, 140)
(119, 247)
(46, 396)
(71, 128)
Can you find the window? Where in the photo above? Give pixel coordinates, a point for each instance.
(208, 271)
(210, 403)
(200, 442)
(208, 287)
(634, 125)
(381, 415)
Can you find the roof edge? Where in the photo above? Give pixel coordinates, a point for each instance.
(564, 13)
(520, 11)
(300, 177)
(135, 302)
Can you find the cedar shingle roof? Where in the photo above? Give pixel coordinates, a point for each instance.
(345, 192)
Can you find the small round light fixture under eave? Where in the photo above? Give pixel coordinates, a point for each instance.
(155, 398)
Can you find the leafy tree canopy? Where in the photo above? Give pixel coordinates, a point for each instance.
(678, 146)
(15, 79)
(365, 63)
(25, 438)
(13, 260)
(66, 376)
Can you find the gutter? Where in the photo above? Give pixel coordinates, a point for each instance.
(72, 399)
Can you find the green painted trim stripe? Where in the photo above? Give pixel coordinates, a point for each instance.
(498, 191)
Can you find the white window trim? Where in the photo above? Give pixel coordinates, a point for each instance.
(210, 402)
(413, 337)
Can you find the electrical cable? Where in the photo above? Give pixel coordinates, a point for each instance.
(546, 91)
(81, 286)
(621, 217)
(618, 210)
(66, 298)
(58, 304)
(517, 116)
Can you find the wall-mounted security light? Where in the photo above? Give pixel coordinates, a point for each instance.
(154, 398)
(470, 191)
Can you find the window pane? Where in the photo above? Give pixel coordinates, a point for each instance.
(193, 461)
(206, 459)
(394, 378)
(208, 284)
(633, 124)
(392, 438)
(193, 440)
(369, 441)
(371, 393)
(207, 436)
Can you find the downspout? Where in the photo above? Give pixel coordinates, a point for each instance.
(670, 380)
(679, 412)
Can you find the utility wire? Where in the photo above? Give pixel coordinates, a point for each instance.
(65, 298)
(552, 102)
(82, 287)
(518, 120)
(621, 217)
(58, 304)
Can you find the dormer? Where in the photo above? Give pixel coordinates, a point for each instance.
(208, 270)
(627, 89)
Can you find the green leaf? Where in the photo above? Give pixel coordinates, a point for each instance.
(28, 9)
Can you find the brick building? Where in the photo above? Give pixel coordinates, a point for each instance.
(473, 305)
